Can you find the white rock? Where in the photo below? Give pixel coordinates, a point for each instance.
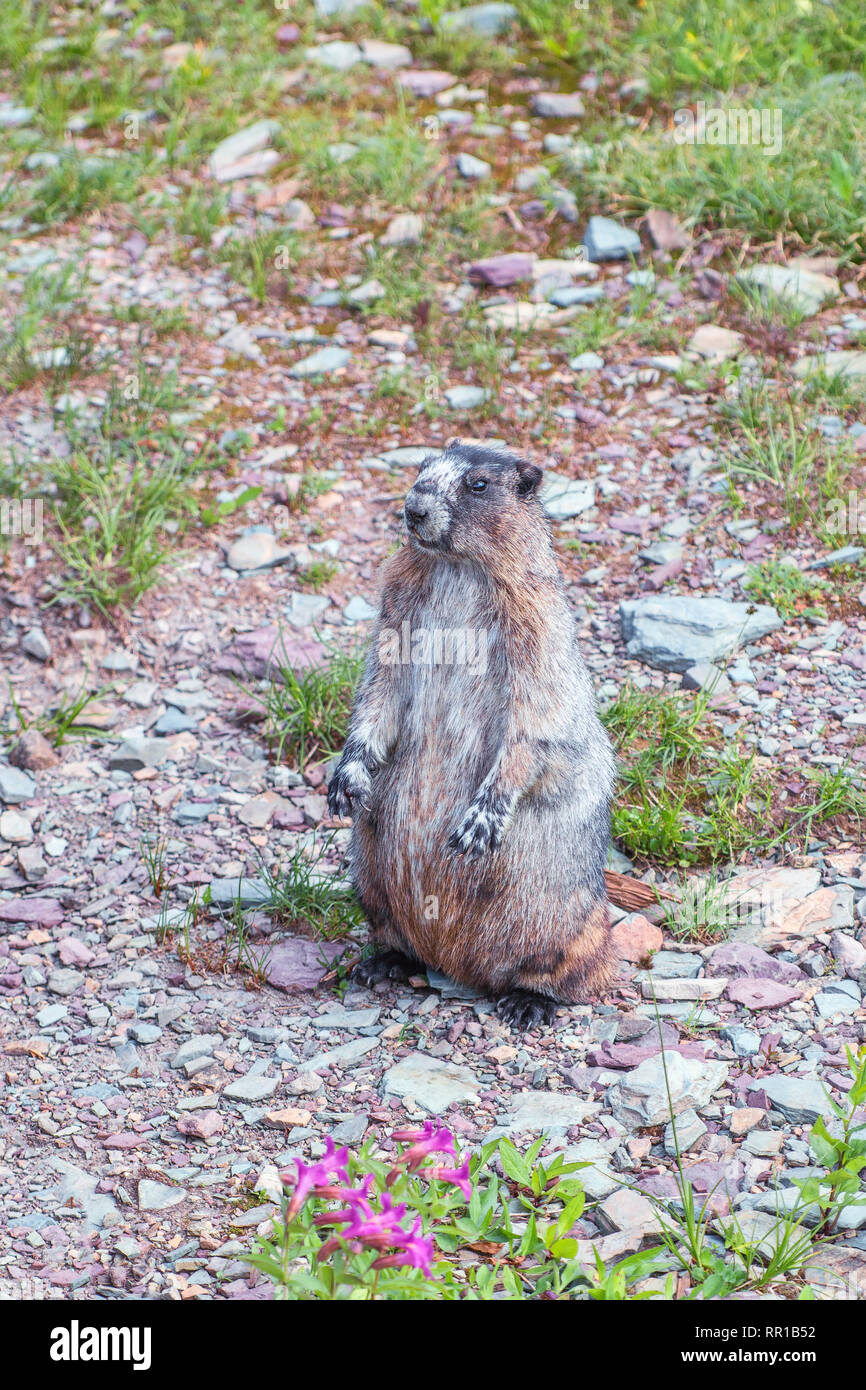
(403, 230)
(563, 498)
(237, 147)
(470, 167)
(15, 828)
(804, 288)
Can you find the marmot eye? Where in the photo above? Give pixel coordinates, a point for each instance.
(479, 485)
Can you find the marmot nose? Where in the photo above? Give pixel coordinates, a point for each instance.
(415, 512)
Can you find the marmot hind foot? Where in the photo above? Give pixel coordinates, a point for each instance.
(386, 965)
(523, 1008)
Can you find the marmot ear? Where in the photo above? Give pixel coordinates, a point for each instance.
(529, 475)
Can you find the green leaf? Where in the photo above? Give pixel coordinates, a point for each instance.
(512, 1164)
(824, 1146)
(570, 1214)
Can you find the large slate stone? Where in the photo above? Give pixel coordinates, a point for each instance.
(534, 1111)
(240, 146)
(432, 1083)
(200, 1046)
(136, 752)
(741, 960)
(246, 892)
(844, 362)
(81, 1188)
(563, 498)
(158, 1196)
(674, 633)
(35, 912)
(641, 1100)
(251, 1088)
(803, 288)
(801, 1099)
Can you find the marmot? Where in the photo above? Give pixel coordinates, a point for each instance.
(476, 769)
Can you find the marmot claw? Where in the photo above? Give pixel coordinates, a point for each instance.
(522, 1009)
(385, 965)
(349, 788)
(480, 831)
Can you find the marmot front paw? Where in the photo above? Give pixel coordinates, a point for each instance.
(480, 830)
(349, 788)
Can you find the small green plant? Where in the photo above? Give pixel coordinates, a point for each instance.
(312, 485)
(200, 213)
(717, 1257)
(319, 573)
(77, 186)
(301, 892)
(841, 1151)
(703, 912)
(112, 537)
(63, 720)
(787, 588)
(771, 446)
(252, 261)
(307, 709)
(211, 516)
(685, 798)
(41, 337)
(237, 945)
(154, 854)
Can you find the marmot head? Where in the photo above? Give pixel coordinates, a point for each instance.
(467, 497)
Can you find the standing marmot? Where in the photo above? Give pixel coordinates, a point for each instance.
(476, 768)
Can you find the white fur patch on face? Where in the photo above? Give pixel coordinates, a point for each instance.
(441, 473)
(435, 481)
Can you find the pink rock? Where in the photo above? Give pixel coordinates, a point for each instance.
(588, 415)
(760, 994)
(287, 817)
(202, 1125)
(425, 82)
(849, 953)
(633, 525)
(502, 270)
(740, 960)
(665, 231)
(624, 1056)
(256, 653)
(299, 964)
(288, 34)
(707, 1175)
(660, 575)
(242, 1288)
(33, 912)
(74, 952)
(635, 937)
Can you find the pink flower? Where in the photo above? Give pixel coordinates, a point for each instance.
(423, 1143)
(334, 1192)
(362, 1222)
(458, 1176)
(316, 1175)
(415, 1250)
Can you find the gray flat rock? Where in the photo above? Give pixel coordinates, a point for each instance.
(677, 632)
(432, 1083)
